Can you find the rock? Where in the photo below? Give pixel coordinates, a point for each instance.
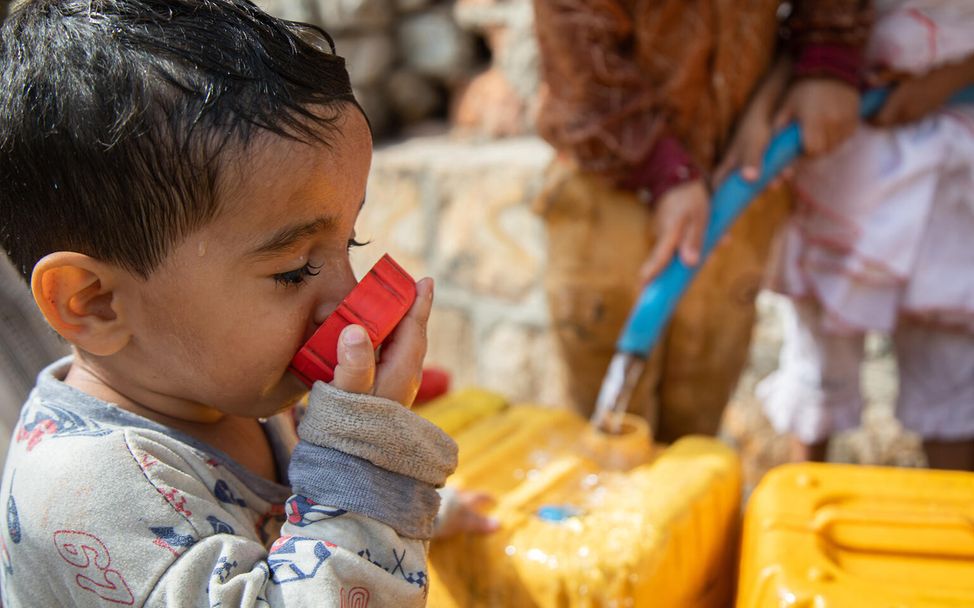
(509, 364)
(303, 11)
(410, 6)
(490, 242)
(489, 106)
(412, 97)
(451, 344)
(354, 15)
(376, 108)
(432, 44)
(394, 219)
(508, 28)
(369, 57)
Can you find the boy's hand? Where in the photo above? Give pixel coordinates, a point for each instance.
(681, 218)
(917, 96)
(461, 512)
(826, 109)
(398, 375)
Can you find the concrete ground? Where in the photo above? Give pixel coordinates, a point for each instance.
(880, 440)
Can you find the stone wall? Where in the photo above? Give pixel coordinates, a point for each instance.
(450, 87)
(473, 62)
(461, 213)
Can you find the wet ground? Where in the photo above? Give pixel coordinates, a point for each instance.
(880, 439)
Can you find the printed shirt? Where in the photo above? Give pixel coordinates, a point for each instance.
(104, 507)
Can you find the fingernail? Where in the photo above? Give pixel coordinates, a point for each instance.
(353, 335)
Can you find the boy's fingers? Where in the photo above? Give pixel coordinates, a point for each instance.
(473, 520)
(355, 372)
(478, 524)
(478, 500)
(402, 357)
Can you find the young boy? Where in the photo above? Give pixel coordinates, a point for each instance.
(181, 183)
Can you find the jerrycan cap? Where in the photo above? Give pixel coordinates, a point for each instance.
(379, 301)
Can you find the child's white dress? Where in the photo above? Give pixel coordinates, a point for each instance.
(883, 239)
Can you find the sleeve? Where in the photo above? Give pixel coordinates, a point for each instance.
(827, 38)
(364, 478)
(598, 107)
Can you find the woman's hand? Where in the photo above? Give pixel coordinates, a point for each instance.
(754, 129)
(746, 151)
(827, 111)
(398, 374)
(914, 97)
(681, 219)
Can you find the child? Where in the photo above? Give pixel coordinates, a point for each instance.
(881, 242)
(181, 183)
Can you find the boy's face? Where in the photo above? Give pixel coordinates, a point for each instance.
(218, 322)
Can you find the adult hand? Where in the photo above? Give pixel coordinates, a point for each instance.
(746, 151)
(397, 376)
(754, 127)
(827, 111)
(914, 97)
(681, 219)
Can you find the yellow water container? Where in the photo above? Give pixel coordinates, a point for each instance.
(586, 519)
(837, 536)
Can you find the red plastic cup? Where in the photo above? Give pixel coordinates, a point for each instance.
(378, 303)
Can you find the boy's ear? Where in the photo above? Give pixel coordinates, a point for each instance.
(75, 292)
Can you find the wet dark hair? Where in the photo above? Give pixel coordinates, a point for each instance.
(118, 116)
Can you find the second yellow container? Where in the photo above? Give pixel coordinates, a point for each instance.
(837, 536)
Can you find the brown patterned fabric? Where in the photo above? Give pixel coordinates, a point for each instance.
(618, 73)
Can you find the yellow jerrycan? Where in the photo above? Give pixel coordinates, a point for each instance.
(836, 536)
(586, 519)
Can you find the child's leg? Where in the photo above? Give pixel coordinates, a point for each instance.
(937, 391)
(815, 391)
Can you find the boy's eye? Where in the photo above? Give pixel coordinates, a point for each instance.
(297, 276)
(354, 243)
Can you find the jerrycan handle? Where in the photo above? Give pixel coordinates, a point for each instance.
(912, 529)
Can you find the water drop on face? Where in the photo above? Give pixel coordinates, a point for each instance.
(201, 249)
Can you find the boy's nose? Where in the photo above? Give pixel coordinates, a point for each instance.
(333, 292)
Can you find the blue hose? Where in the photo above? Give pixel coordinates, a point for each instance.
(658, 300)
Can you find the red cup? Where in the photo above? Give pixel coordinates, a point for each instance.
(378, 303)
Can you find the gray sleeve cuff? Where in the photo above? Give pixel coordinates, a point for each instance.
(380, 431)
(329, 477)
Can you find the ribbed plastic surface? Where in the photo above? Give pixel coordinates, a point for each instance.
(580, 525)
(832, 536)
(379, 301)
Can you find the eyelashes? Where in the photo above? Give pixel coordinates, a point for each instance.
(297, 276)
